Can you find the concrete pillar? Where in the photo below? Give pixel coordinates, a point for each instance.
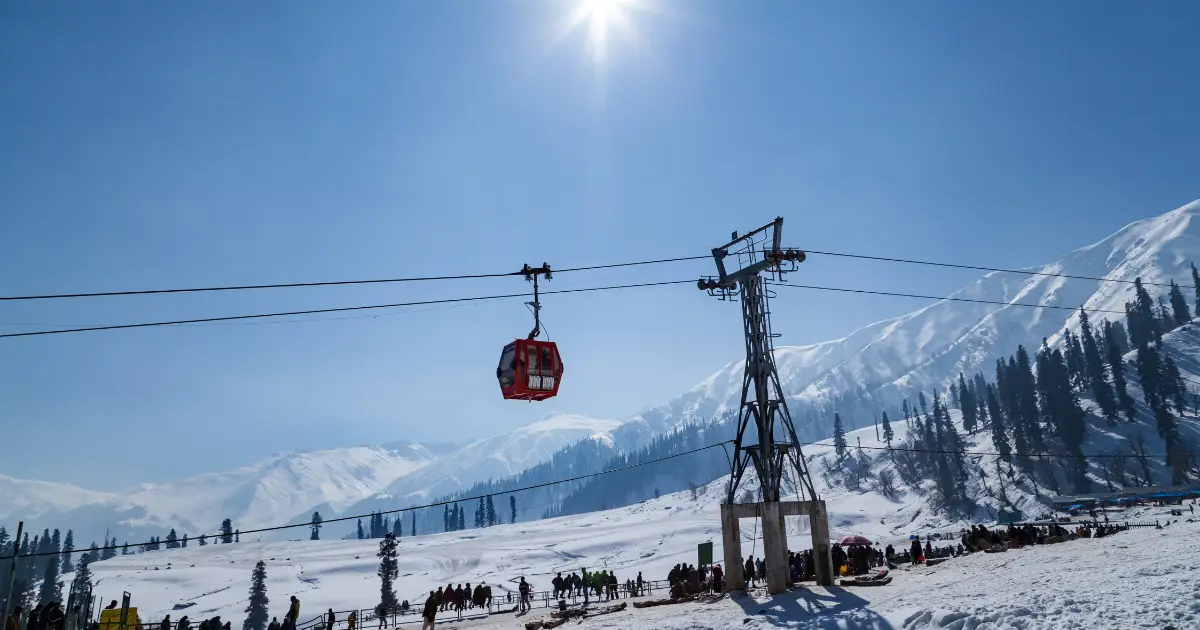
(818, 524)
(731, 541)
(775, 548)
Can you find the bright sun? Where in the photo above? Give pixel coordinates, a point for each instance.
(600, 17)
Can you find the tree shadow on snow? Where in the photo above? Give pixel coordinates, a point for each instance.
(829, 608)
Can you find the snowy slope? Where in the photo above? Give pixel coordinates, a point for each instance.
(1100, 583)
(276, 490)
(924, 349)
(287, 488)
(920, 350)
(32, 499)
(490, 458)
(279, 489)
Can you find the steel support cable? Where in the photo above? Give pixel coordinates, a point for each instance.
(225, 318)
(292, 285)
(910, 261)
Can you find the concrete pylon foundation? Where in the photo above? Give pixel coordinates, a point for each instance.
(775, 545)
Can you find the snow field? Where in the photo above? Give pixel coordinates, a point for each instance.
(1142, 578)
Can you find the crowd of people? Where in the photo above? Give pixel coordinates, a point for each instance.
(604, 584)
(42, 617)
(214, 623)
(460, 598)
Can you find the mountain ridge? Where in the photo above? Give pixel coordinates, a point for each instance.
(884, 361)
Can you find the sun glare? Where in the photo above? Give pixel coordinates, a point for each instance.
(600, 18)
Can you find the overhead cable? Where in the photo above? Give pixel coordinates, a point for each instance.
(291, 285)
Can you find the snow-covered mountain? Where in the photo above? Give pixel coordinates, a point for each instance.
(279, 489)
(27, 498)
(490, 458)
(288, 487)
(921, 350)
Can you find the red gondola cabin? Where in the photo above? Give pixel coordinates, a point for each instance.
(529, 370)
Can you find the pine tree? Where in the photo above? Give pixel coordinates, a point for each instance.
(1137, 331)
(68, 548)
(839, 438)
(1121, 337)
(125, 548)
(446, 518)
(226, 531)
(256, 609)
(887, 430)
(183, 541)
(1147, 320)
(51, 590)
(1116, 364)
(389, 570)
(999, 439)
(1172, 386)
(512, 504)
(1097, 372)
(967, 404)
(1070, 420)
(481, 513)
(941, 465)
(1149, 373)
(1073, 354)
(82, 585)
(203, 539)
(361, 533)
(412, 530)
(979, 388)
(172, 539)
(1027, 397)
(237, 533)
(1179, 307)
(1196, 285)
(462, 517)
(398, 526)
(1045, 381)
(314, 526)
(491, 511)
(41, 546)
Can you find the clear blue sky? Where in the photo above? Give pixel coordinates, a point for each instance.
(159, 145)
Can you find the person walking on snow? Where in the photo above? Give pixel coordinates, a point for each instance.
(429, 613)
(524, 589)
(293, 613)
(750, 572)
(584, 584)
(915, 550)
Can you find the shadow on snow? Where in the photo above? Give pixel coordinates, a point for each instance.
(830, 608)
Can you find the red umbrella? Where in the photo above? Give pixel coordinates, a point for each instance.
(853, 540)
